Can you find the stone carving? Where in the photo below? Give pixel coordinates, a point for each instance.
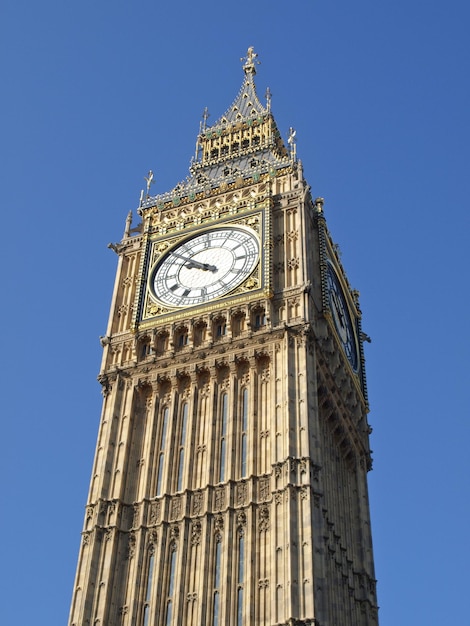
(154, 513)
(111, 511)
(241, 519)
(218, 523)
(264, 488)
(219, 498)
(152, 540)
(264, 519)
(197, 503)
(175, 508)
(131, 546)
(196, 530)
(241, 493)
(135, 519)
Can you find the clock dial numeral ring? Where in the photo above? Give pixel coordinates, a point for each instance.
(205, 267)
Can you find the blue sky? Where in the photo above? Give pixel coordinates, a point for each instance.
(94, 94)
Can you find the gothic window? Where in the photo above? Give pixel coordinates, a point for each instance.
(199, 334)
(255, 141)
(259, 319)
(182, 337)
(244, 433)
(220, 328)
(245, 143)
(224, 150)
(146, 615)
(223, 435)
(171, 586)
(235, 146)
(162, 343)
(240, 578)
(184, 420)
(214, 153)
(216, 607)
(238, 324)
(161, 455)
(145, 347)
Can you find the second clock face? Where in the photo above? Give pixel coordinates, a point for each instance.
(341, 317)
(205, 267)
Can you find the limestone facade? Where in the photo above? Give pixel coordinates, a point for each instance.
(230, 478)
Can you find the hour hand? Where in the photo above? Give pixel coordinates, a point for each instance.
(206, 267)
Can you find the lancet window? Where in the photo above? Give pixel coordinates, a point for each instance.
(161, 455)
(244, 432)
(223, 435)
(184, 420)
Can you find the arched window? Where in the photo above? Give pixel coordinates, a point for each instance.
(145, 347)
(184, 420)
(216, 606)
(240, 578)
(259, 319)
(148, 593)
(223, 435)
(244, 432)
(161, 454)
(220, 328)
(171, 587)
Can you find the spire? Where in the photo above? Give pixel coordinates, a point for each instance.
(246, 105)
(244, 143)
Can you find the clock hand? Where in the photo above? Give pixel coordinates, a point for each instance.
(200, 266)
(192, 263)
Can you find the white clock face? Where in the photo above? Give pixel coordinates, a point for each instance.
(205, 267)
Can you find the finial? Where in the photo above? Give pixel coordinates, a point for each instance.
(250, 61)
(318, 202)
(269, 95)
(127, 229)
(205, 117)
(292, 143)
(150, 181)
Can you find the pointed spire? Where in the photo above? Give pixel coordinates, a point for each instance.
(246, 105)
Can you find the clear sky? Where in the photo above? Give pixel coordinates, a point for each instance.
(96, 93)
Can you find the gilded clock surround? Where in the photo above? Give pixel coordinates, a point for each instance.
(254, 216)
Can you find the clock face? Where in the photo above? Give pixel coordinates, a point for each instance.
(341, 317)
(205, 267)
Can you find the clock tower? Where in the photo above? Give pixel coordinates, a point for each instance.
(229, 485)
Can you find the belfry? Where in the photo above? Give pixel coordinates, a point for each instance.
(229, 484)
